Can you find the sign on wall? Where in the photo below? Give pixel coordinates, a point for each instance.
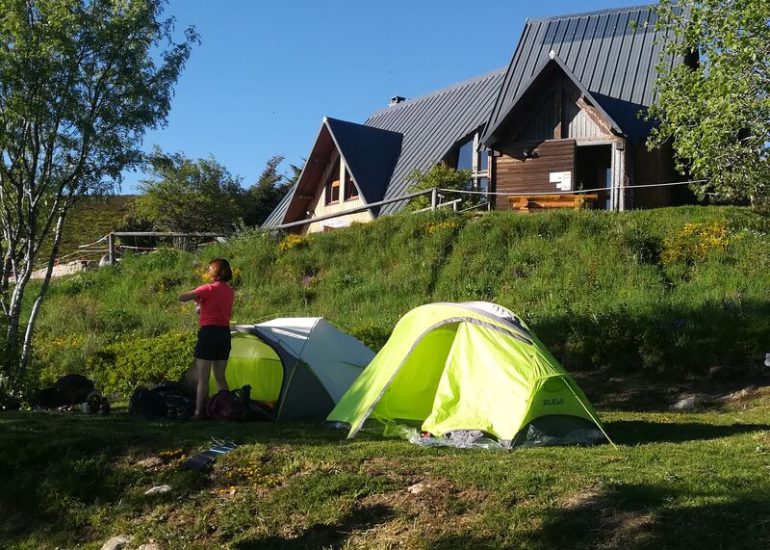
(563, 180)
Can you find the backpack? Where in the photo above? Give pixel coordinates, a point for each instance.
(147, 404)
(167, 399)
(225, 405)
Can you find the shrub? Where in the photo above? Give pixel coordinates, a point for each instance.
(121, 367)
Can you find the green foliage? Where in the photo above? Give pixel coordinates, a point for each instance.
(718, 113)
(80, 83)
(189, 196)
(262, 197)
(675, 290)
(440, 176)
(123, 366)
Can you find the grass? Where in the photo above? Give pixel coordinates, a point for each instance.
(677, 480)
(676, 291)
(643, 307)
(92, 218)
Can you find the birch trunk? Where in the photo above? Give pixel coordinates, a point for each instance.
(26, 352)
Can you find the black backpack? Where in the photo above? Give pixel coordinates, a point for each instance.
(167, 399)
(147, 404)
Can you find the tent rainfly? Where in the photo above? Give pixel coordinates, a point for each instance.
(302, 364)
(454, 367)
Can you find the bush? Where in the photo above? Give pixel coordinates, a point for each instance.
(121, 367)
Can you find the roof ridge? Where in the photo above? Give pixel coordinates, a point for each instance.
(436, 93)
(591, 13)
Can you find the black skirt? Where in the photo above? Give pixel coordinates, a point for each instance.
(213, 343)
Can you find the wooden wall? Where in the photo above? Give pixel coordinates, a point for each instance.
(649, 167)
(515, 174)
(321, 209)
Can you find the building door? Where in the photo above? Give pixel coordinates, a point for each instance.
(593, 170)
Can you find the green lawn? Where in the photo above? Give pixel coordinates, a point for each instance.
(676, 480)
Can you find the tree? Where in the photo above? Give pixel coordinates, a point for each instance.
(440, 176)
(262, 197)
(80, 83)
(718, 113)
(189, 195)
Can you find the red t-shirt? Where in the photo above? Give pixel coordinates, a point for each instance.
(216, 302)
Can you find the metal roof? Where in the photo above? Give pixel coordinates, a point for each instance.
(613, 54)
(276, 216)
(369, 154)
(432, 124)
(426, 128)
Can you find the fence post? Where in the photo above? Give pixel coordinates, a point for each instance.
(111, 248)
(433, 198)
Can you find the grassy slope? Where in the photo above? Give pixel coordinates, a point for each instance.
(92, 218)
(671, 290)
(617, 297)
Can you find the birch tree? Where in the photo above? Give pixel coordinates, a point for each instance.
(80, 83)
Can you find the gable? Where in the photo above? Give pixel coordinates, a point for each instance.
(613, 55)
(369, 155)
(553, 106)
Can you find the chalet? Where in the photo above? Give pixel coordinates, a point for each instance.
(570, 111)
(352, 165)
(567, 115)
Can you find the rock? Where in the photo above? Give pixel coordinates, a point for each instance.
(417, 488)
(688, 403)
(158, 490)
(116, 543)
(151, 462)
(149, 546)
(740, 394)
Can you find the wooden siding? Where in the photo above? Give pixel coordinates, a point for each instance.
(515, 174)
(580, 121)
(543, 122)
(656, 166)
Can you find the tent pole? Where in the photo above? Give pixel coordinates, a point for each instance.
(596, 421)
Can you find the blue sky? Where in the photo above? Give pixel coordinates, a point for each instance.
(267, 72)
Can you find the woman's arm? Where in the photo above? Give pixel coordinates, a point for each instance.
(188, 296)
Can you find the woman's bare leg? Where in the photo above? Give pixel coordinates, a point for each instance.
(203, 368)
(219, 375)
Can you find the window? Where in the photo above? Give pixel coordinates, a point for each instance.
(333, 191)
(465, 156)
(351, 192)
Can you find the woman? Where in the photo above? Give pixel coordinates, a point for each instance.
(215, 301)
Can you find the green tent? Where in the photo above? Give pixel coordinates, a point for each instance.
(470, 366)
(301, 364)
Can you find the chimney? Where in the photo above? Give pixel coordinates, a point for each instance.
(395, 100)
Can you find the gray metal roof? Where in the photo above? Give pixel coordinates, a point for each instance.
(613, 54)
(426, 128)
(369, 153)
(276, 216)
(432, 124)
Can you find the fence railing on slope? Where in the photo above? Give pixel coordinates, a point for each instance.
(437, 193)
